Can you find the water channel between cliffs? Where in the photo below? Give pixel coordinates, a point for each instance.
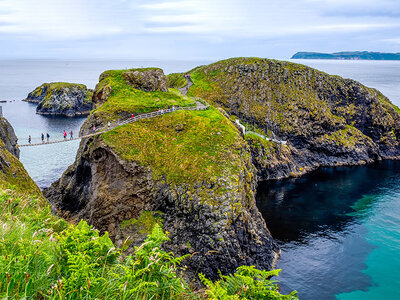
(339, 230)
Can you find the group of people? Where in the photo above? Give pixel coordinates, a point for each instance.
(47, 136)
(187, 76)
(82, 131)
(167, 110)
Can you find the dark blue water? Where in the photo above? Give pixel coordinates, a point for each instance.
(339, 229)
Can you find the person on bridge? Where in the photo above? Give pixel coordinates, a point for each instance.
(48, 137)
(71, 135)
(42, 137)
(108, 124)
(94, 129)
(29, 139)
(65, 135)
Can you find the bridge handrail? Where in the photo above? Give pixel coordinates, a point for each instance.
(104, 129)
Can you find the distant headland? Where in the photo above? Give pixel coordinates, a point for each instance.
(355, 55)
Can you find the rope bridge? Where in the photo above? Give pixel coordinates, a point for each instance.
(199, 106)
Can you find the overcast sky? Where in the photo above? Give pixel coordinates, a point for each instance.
(194, 29)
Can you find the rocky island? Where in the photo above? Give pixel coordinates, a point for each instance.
(355, 55)
(61, 98)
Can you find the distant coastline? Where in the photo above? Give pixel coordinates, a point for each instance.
(356, 55)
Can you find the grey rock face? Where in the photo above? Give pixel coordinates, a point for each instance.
(7, 135)
(62, 99)
(149, 80)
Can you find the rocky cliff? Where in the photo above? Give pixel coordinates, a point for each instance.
(7, 135)
(62, 98)
(189, 170)
(12, 173)
(326, 120)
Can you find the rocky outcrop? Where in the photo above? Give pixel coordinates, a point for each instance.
(60, 98)
(191, 169)
(7, 135)
(148, 80)
(327, 120)
(145, 79)
(12, 172)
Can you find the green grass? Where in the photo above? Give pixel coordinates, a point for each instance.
(15, 175)
(348, 137)
(176, 80)
(125, 98)
(44, 257)
(203, 150)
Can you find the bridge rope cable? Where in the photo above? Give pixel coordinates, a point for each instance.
(199, 106)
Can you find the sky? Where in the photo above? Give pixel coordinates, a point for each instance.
(194, 29)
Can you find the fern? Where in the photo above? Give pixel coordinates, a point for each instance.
(247, 283)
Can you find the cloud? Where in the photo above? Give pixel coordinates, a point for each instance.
(59, 19)
(197, 26)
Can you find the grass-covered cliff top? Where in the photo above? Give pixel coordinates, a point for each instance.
(124, 98)
(185, 146)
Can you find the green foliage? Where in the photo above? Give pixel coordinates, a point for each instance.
(176, 80)
(246, 283)
(145, 223)
(151, 273)
(42, 257)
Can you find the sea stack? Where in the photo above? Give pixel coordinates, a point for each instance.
(61, 98)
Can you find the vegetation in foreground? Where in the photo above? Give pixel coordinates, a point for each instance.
(44, 257)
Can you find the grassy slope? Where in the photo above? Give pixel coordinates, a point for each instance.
(182, 147)
(15, 176)
(176, 80)
(124, 98)
(203, 150)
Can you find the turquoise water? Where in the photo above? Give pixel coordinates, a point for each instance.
(380, 214)
(339, 230)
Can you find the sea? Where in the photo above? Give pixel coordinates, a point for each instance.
(338, 228)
